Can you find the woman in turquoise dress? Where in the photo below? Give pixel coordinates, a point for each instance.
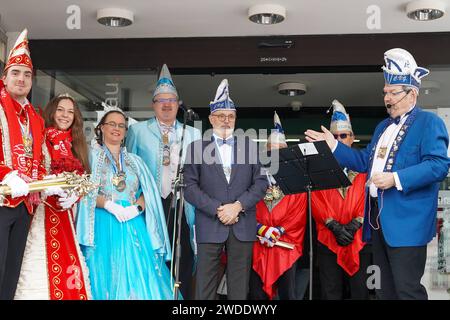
(121, 226)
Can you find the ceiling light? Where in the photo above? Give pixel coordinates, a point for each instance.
(115, 17)
(267, 13)
(425, 10)
(291, 89)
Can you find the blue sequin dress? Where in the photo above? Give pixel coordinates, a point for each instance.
(122, 263)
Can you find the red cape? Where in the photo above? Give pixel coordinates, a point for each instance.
(330, 204)
(271, 263)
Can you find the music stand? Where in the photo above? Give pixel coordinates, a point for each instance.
(308, 167)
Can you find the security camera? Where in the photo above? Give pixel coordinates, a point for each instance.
(296, 105)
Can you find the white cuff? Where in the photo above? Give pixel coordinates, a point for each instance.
(398, 185)
(335, 146)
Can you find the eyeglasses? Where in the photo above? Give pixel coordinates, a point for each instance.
(343, 135)
(162, 100)
(394, 94)
(222, 117)
(114, 125)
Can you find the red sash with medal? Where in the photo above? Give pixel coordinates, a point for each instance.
(29, 165)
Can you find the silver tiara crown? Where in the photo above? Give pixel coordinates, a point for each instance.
(107, 108)
(65, 95)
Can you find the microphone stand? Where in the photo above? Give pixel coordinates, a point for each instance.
(309, 189)
(178, 188)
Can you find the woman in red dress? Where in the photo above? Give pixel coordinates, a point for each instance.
(53, 266)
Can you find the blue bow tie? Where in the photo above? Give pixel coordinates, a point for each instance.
(396, 120)
(229, 141)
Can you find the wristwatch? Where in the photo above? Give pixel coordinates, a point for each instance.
(140, 209)
(241, 205)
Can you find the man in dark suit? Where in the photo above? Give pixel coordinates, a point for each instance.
(224, 182)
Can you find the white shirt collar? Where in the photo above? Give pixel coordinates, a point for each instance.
(216, 137)
(24, 102)
(173, 125)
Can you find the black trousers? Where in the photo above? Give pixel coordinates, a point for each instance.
(401, 268)
(334, 280)
(285, 285)
(14, 226)
(187, 256)
(239, 264)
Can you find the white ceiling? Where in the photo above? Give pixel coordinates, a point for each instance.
(210, 18)
(214, 18)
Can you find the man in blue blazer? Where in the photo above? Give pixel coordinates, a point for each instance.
(157, 142)
(224, 182)
(405, 161)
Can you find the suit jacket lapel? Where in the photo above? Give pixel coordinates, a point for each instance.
(154, 129)
(234, 168)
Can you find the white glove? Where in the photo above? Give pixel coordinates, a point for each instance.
(68, 201)
(272, 234)
(130, 212)
(116, 209)
(18, 186)
(54, 191)
(265, 242)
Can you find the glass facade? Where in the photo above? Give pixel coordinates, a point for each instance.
(130, 91)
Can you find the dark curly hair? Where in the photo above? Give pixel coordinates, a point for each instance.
(98, 131)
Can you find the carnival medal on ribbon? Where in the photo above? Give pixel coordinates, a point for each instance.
(118, 181)
(119, 177)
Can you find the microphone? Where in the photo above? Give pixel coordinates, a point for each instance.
(191, 114)
(389, 106)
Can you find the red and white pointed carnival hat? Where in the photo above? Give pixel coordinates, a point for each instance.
(20, 53)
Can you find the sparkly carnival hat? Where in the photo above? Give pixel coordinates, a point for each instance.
(401, 69)
(340, 120)
(20, 53)
(165, 83)
(222, 100)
